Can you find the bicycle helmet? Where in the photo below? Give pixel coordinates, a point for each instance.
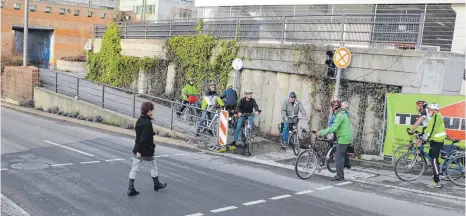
(292, 95)
(422, 103)
(212, 84)
(249, 91)
(434, 106)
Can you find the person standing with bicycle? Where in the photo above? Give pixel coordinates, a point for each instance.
(209, 102)
(144, 148)
(435, 135)
(188, 95)
(246, 105)
(423, 120)
(290, 110)
(342, 129)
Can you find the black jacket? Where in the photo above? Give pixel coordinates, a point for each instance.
(246, 106)
(144, 137)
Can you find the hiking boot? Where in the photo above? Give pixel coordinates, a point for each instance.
(131, 190)
(337, 178)
(157, 184)
(434, 185)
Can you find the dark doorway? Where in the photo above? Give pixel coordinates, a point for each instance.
(39, 45)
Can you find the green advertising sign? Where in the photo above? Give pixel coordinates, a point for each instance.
(402, 114)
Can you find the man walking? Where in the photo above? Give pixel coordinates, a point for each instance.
(342, 129)
(144, 148)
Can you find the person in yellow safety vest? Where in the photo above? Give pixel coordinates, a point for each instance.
(435, 135)
(209, 102)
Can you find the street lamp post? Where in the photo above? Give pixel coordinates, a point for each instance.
(26, 30)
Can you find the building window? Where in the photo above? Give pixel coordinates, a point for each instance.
(62, 11)
(102, 15)
(89, 14)
(48, 9)
(76, 12)
(17, 6)
(33, 8)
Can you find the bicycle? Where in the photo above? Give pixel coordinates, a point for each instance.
(246, 133)
(190, 112)
(212, 124)
(293, 139)
(403, 149)
(416, 156)
(457, 161)
(315, 158)
(232, 121)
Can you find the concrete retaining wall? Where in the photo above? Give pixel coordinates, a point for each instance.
(69, 66)
(48, 99)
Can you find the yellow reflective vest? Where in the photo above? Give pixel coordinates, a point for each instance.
(435, 130)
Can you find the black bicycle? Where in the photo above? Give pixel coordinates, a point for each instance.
(246, 133)
(313, 157)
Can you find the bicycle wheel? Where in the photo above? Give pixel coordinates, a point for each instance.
(398, 152)
(331, 162)
(455, 169)
(232, 127)
(249, 146)
(410, 166)
(190, 115)
(306, 164)
(176, 107)
(296, 147)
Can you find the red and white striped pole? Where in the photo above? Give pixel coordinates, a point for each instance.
(223, 128)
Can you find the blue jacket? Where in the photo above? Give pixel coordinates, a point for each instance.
(230, 96)
(332, 117)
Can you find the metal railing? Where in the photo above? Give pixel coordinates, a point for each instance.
(123, 101)
(361, 30)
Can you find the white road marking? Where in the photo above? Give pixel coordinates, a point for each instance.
(304, 192)
(223, 209)
(118, 159)
(280, 197)
(4, 169)
(161, 156)
(89, 162)
(180, 154)
(324, 188)
(10, 208)
(65, 164)
(254, 202)
(197, 214)
(69, 148)
(344, 183)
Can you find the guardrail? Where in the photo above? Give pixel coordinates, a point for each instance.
(125, 101)
(364, 30)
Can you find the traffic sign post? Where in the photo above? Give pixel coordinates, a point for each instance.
(341, 59)
(237, 65)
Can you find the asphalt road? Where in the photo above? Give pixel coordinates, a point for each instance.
(57, 168)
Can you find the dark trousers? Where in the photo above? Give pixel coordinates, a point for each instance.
(434, 153)
(342, 159)
(183, 106)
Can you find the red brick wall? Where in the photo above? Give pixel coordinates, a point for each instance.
(71, 32)
(18, 83)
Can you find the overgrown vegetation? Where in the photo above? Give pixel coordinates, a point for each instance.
(10, 59)
(78, 58)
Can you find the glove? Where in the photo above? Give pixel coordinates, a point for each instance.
(410, 133)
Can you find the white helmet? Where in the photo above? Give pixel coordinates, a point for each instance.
(434, 106)
(248, 91)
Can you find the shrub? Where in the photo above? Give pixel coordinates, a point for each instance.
(79, 58)
(10, 59)
(27, 103)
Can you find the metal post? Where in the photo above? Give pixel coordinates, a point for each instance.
(235, 82)
(56, 82)
(171, 26)
(236, 31)
(134, 105)
(103, 95)
(284, 29)
(126, 30)
(171, 118)
(77, 87)
(339, 70)
(384, 126)
(26, 31)
(145, 31)
(421, 31)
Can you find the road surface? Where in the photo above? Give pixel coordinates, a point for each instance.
(57, 168)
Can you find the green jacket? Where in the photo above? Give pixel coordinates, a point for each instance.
(209, 102)
(341, 127)
(188, 90)
(435, 130)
